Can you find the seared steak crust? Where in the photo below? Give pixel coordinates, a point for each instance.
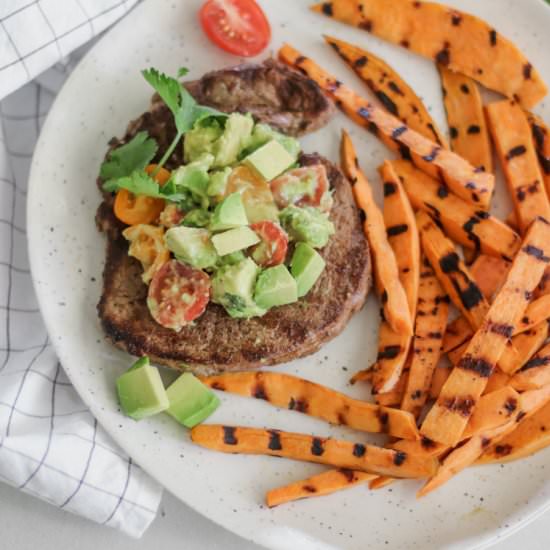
(216, 342)
(272, 92)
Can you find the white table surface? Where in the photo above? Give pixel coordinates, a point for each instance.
(26, 522)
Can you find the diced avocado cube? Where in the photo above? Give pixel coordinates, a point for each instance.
(234, 240)
(306, 267)
(263, 133)
(218, 182)
(191, 401)
(192, 245)
(237, 131)
(270, 160)
(197, 217)
(140, 391)
(275, 287)
(233, 288)
(307, 224)
(230, 213)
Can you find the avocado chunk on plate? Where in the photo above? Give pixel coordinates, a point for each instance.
(140, 391)
(191, 401)
(192, 245)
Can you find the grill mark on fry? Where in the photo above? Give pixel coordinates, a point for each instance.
(456, 19)
(217, 386)
(327, 8)
(476, 364)
(516, 151)
(309, 488)
(359, 450)
(389, 188)
(453, 132)
(348, 474)
(274, 440)
(389, 352)
(460, 405)
(536, 252)
(464, 89)
(520, 416)
(259, 392)
(527, 69)
(395, 88)
(511, 405)
(229, 435)
(535, 362)
(432, 156)
(473, 129)
(387, 102)
(503, 450)
(442, 192)
(449, 262)
(434, 335)
(399, 458)
(366, 25)
(493, 37)
(360, 61)
(397, 229)
(427, 443)
(317, 446)
(443, 57)
(300, 405)
(398, 131)
(502, 329)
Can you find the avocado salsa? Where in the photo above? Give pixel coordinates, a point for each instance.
(238, 224)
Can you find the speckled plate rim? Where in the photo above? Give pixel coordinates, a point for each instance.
(36, 225)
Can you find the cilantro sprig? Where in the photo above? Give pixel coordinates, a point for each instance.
(185, 109)
(124, 169)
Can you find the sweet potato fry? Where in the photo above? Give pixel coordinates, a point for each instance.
(333, 452)
(541, 137)
(394, 93)
(321, 484)
(392, 294)
(522, 347)
(530, 436)
(489, 273)
(462, 457)
(460, 176)
(453, 275)
(492, 411)
(439, 378)
(463, 222)
(460, 330)
(466, 119)
(512, 136)
(448, 417)
(394, 397)
(298, 394)
(402, 234)
(496, 381)
(535, 373)
(460, 41)
(429, 328)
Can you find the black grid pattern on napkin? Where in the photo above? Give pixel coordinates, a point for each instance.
(41, 417)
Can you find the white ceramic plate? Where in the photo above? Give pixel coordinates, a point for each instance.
(67, 254)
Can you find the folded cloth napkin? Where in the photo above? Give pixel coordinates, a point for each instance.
(50, 444)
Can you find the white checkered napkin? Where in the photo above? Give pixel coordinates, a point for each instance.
(50, 445)
(35, 34)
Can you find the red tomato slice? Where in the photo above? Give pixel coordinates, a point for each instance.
(178, 294)
(239, 27)
(305, 186)
(272, 250)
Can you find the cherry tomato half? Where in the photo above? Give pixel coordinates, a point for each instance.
(132, 209)
(272, 249)
(178, 294)
(239, 27)
(305, 186)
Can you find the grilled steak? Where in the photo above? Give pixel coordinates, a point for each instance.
(216, 342)
(273, 93)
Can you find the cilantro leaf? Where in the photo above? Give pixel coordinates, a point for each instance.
(134, 155)
(182, 71)
(140, 183)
